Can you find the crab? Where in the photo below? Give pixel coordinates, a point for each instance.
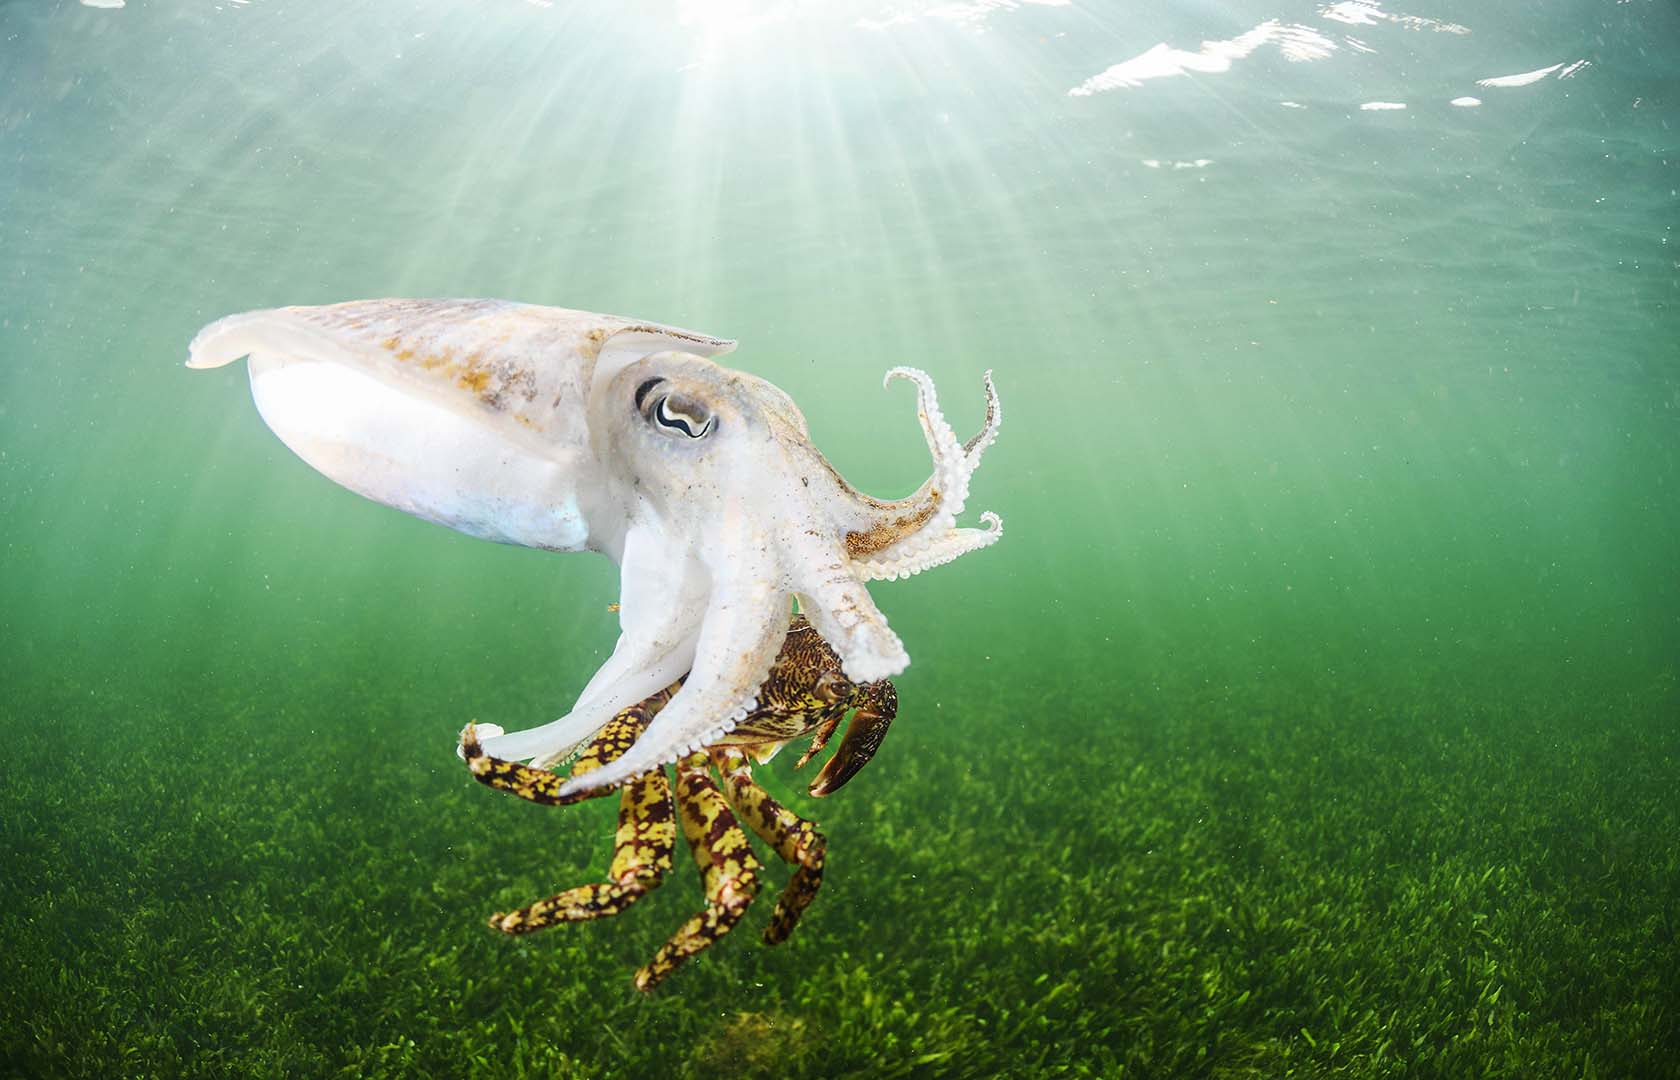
(805, 694)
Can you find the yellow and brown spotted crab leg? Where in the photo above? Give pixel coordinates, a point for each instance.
(642, 847)
(796, 840)
(728, 868)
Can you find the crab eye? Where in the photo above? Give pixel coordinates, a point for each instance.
(682, 418)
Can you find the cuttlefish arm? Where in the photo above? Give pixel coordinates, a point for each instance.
(932, 537)
(738, 644)
(744, 624)
(662, 599)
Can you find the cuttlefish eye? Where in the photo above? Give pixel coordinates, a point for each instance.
(642, 390)
(673, 412)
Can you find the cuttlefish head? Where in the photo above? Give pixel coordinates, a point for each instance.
(720, 477)
(723, 460)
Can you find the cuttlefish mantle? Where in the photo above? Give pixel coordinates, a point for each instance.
(571, 431)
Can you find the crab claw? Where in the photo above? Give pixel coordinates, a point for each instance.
(878, 704)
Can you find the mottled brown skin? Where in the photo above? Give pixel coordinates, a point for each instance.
(805, 694)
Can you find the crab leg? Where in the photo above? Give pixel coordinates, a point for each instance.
(727, 865)
(796, 840)
(642, 850)
(540, 785)
(643, 846)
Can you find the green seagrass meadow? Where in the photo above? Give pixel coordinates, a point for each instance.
(1274, 879)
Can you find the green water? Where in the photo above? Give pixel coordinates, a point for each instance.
(1315, 716)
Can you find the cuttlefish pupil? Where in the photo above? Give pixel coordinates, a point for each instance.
(695, 427)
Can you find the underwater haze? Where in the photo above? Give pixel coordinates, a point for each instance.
(1315, 715)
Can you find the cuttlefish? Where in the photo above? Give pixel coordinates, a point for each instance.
(572, 431)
